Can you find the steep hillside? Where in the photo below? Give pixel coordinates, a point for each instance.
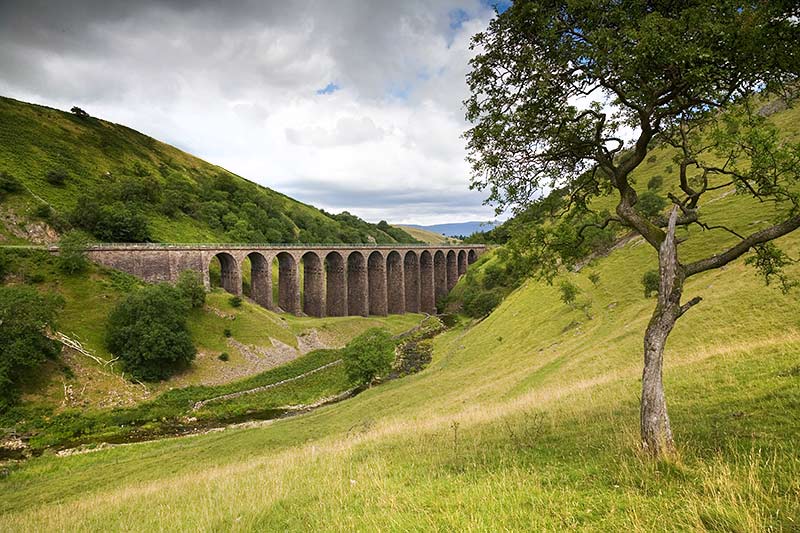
(84, 394)
(431, 237)
(526, 420)
(120, 185)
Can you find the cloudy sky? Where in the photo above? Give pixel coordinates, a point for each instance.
(345, 104)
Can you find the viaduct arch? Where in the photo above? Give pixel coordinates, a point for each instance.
(337, 280)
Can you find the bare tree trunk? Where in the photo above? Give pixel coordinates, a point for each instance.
(655, 428)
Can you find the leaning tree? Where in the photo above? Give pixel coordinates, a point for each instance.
(572, 95)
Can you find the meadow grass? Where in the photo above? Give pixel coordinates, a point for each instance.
(526, 420)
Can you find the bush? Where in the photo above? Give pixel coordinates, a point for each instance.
(147, 331)
(569, 292)
(655, 182)
(479, 303)
(9, 184)
(650, 281)
(24, 314)
(494, 275)
(223, 356)
(115, 222)
(227, 332)
(56, 177)
(369, 356)
(4, 265)
(652, 159)
(192, 288)
(34, 278)
(650, 204)
(235, 301)
(43, 211)
(594, 277)
(72, 253)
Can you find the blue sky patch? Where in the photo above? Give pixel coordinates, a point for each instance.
(329, 89)
(500, 5)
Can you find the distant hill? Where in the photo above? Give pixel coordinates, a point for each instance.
(456, 229)
(76, 171)
(424, 235)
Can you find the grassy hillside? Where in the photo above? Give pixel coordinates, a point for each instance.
(424, 235)
(255, 340)
(527, 420)
(118, 184)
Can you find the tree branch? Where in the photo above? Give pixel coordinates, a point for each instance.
(688, 305)
(759, 237)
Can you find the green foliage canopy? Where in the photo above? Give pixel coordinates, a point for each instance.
(191, 287)
(369, 355)
(72, 253)
(25, 313)
(147, 331)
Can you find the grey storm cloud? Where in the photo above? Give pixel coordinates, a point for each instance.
(237, 83)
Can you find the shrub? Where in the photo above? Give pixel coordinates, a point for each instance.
(79, 112)
(650, 282)
(56, 177)
(4, 265)
(192, 288)
(655, 182)
(652, 159)
(569, 292)
(494, 275)
(227, 332)
(369, 356)
(34, 278)
(9, 184)
(650, 204)
(223, 356)
(43, 211)
(479, 303)
(147, 331)
(24, 315)
(235, 301)
(594, 277)
(72, 253)
(114, 222)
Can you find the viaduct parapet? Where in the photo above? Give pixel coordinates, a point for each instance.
(336, 280)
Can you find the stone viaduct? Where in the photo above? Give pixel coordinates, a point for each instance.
(337, 280)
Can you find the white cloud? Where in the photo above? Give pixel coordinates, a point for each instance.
(237, 85)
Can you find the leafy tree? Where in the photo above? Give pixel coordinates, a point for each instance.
(147, 331)
(24, 316)
(569, 292)
(115, 222)
(650, 204)
(650, 282)
(9, 184)
(480, 302)
(654, 183)
(369, 356)
(191, 287)
(78, 112)
(72, 253)
(688, 75)
(56, 177)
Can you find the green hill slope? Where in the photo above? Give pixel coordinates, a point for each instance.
(527, 420)
(426, 236)
(121, 185)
